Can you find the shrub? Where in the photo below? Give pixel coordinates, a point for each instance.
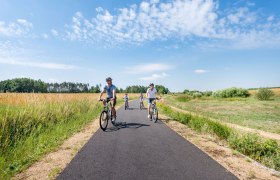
(197, 95)
(231, 92)
(266, 152)
(183, 98)
(264, 94)
(207, 93)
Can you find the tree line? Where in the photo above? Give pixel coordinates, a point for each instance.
(27, 85)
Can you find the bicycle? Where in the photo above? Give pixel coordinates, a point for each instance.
(154, 111)
(141, 105)
(106, 115)
(126, 104)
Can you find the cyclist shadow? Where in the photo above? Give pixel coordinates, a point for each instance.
(124, 125)
(131, 109)
(136, 109)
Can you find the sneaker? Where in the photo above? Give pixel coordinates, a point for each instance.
(113, 119)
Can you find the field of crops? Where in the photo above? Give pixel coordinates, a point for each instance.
(33, 124)
(249, 112)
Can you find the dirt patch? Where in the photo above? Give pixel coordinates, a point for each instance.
(238, 127)
(239, 165)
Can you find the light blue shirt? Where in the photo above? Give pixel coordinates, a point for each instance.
(109, 90)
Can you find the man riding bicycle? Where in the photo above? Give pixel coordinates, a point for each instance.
(110, 89)
(151, 96)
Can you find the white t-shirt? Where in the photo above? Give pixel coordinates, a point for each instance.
(151, 93)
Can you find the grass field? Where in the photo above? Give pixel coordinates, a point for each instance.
(33, 124)
(249, 112)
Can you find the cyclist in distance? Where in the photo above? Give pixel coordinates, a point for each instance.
(141, 99)
(151, 96)
(126, 98)
(110, 89)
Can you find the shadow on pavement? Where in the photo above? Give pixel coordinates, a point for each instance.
(131, 109)
(122, 125)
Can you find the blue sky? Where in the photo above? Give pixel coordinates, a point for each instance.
(182, 44)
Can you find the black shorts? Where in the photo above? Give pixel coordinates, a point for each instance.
(150, 100)
(108, 99)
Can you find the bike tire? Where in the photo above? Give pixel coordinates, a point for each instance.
(103, 120)
(125, 106)
(155, 115)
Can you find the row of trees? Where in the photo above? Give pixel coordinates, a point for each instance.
(26, 85)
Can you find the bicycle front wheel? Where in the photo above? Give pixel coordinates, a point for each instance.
(103, 121)
(155, 115)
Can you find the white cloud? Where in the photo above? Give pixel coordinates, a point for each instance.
(183, 20)
(45, 65)
(145, 22)
(154, 77)
(148, 68)
(270, 18)
(200, 71)
(54, 32)
(45, 36)
(15, 29)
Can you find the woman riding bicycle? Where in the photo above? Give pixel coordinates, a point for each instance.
(151, 96)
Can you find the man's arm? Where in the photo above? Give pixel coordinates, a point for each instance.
(101, 94)
(114, 93)
(147, 93)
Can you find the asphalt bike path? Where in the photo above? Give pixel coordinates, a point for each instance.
(138, 148)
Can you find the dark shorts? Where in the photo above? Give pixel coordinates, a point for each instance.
(108, 99)
(150, 100)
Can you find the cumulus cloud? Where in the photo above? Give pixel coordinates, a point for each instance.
(54, 32)
(147, 21)
(15, 29)
(154, 77)
(148, 68)
(179, 19)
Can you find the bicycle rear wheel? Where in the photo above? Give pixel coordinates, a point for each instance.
(103, 121)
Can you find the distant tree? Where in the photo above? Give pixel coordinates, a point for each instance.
(161, 89)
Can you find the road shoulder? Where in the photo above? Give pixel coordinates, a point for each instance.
(55, 162)
(239, 165)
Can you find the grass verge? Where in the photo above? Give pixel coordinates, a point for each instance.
(266, 152)
(27, 133)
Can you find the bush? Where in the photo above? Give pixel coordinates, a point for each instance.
(207, 93)
(183, 98)
(264, 94)
(197, 95)
(232, 92)
(266, 152)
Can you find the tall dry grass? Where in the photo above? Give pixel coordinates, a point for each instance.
(33, 124)
(275, 90)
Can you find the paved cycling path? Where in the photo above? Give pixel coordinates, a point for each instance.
(141, 149)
